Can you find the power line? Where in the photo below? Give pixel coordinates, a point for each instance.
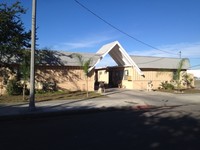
(194, 58)
(121, 31)
(195, 66)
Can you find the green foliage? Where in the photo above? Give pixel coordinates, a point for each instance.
(85, 64)
(167, 86)
(179, 69)
(13, 87)
(187, 80)
(49, 86)
(25, 65)
(14, 40)
(13, 37)
(177, 74)
(46, 56)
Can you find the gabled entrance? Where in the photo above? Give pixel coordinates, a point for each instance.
(113, 76)
(119, 55)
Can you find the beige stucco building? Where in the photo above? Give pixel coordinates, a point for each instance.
(137, 72)
(131, 72)
(128, 78)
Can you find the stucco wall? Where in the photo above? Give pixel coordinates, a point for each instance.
(2, 86)
(132, 80)
(156, 77)
(8, 75)
(136, 81)
(127, 81)
(70, 78)
(66, 78)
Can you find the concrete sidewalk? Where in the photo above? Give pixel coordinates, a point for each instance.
(114, 99)
(70, 106)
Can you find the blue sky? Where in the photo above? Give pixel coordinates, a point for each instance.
(169, 25)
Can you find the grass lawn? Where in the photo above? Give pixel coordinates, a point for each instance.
(59, 95)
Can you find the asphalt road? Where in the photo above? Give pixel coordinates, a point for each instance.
(117, 129)
(173, 124)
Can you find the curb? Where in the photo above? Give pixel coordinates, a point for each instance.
(58, 113)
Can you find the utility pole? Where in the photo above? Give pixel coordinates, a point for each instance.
(180, 54)
(32, 69)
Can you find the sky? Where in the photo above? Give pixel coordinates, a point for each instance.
(168, 25)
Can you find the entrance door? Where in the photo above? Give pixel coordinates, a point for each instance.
(115, 78)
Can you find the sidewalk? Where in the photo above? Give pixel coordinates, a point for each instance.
(114, 99)
(68, 106)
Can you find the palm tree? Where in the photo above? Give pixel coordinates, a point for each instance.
(177, 75)
(85, 64)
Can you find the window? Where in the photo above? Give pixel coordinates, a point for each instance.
(126, 73)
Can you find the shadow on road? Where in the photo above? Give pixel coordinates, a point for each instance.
(111, 128)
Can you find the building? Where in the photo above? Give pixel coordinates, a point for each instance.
(131, 72)
(136, 72)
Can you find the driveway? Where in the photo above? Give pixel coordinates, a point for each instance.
(181, 103)
(153, 98)
(174, 104)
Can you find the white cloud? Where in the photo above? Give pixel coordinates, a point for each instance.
(85, 43)
(88, 41)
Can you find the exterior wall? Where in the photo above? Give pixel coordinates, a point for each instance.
(73, 78)
(155, 76)
(132, 80)
(127, 81)
(69, 78)
(122, 76)
(2, 86)
(66, 78)
(5, 75)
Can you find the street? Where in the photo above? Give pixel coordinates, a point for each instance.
(173, 124)
(116, 129)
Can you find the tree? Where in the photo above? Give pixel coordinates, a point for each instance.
(25, 71)
(85, 64)
(177, 75)
(14, 38)
(48, 56)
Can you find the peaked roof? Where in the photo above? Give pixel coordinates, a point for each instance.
(68, 59)
(147, 62)
(119, 55)
(60, 58)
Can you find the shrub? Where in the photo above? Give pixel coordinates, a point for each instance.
(167, 86)
(13, 87)
(49, 86)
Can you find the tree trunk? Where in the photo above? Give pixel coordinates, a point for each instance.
(87, 86)
(24, 89)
